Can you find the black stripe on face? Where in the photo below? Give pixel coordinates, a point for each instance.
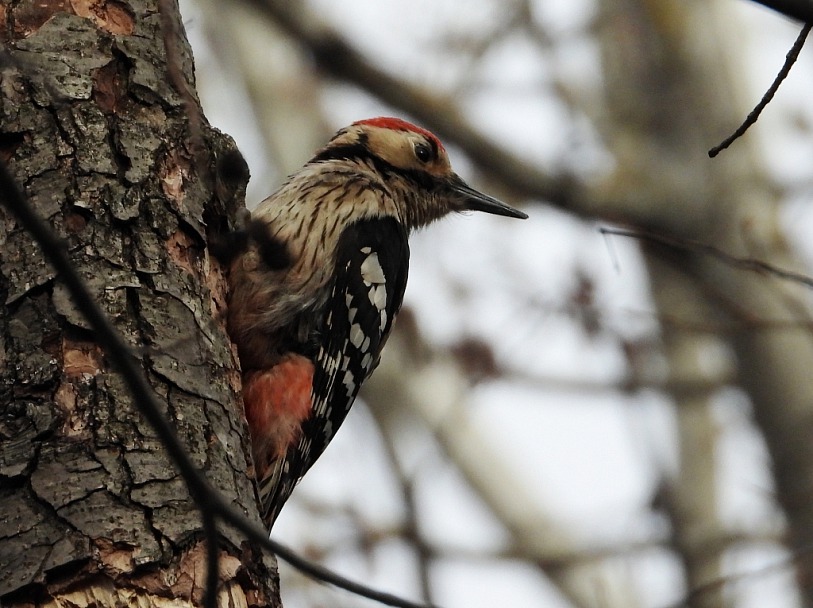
(342, 152)
(360, 152)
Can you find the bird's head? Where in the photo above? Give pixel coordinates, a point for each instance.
(413, 161)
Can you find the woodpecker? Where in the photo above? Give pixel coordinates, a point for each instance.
(318, 282)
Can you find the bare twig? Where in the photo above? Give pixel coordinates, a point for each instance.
(411, 531)
(753, 116)
(721, 582)
(797, 9)
(324, 575)
(749, 264)
(212, 557)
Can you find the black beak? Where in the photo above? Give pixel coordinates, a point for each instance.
(477, 201)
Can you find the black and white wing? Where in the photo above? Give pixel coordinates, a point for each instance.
(372, 264)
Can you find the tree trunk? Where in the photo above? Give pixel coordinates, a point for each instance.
(94, 130)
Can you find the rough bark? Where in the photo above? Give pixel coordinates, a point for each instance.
(97, 136)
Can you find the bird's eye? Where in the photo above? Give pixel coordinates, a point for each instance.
(423, 152)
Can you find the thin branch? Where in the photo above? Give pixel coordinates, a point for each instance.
(796, 9)
(749, 264)
(721, 582)
(324, 575)
(753, 116)
(212, 557)
(411, 531)
(210, 501)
